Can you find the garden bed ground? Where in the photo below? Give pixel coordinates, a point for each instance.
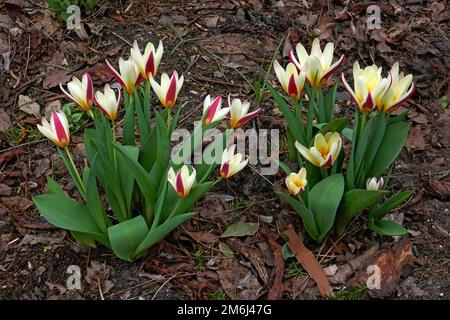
(34, 256)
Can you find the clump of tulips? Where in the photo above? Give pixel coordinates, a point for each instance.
(326, 193)
(146, 194)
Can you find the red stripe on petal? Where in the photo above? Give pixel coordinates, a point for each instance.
(224, 169)
(116, 75)
(369, 104)
(291, 59)
(292, 87)
(330, 72)
(101, 108)
(329, 162)
(398, 104)
(150, 65)
(213, 109)
(60, 131)
(248, 117)
(90, 89)
(180, 186)
(171, 92)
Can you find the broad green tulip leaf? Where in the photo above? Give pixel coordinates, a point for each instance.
(54, 187)
(129, 121)
(84, 238)
(392, 203)
(290, 142)
(348, 133)
(161, 231)
(65, 213)
(143, 122)
(174, 122)
(330, 100)
(293, 122)
(353, 202)
(95, 206)
(241, 229)
(393, 141)
(337, 125)
(147, 156)
(351, 172)
(324, 201)
(127, 179)
(159, 204)
(126, 236)
(387, 227)
(306, 215)
(376, 139)
(322, 113)
(361, 146)
(284, 167)
(73, 173)
(139, 173)
(163, 150)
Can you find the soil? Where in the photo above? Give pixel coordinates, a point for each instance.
(207, 41)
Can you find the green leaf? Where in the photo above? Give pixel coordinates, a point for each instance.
(53, 187)
(324, 201)
(161, 231)
(84, 238)
(95, 206)
(128, 126)
(375, 140)
(337, 125)
(225, 249)
(361, 146)
(143, 123)
(306, 215)
(284, 167)
(73, 173)
(387, 228)
(241, 229)
(286, 251)
(351, 172)
(393, 202)
(330, 100)
(393, 141)
(353, 202)
(126, 236)
(65, 213)
(127, 179)
(293, 123)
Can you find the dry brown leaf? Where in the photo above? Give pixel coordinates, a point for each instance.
(5, 121)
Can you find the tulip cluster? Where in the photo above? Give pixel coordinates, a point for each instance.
(148, 194)
(325, 192)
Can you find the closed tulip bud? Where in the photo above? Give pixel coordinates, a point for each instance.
(182, 181)
(57, 130)
(319, 63)
(231, 163)
(108, 103)
(128, 75)
(296, 182)
(168, 91)
(325, 151)
(239, 113)
(148, 62)
(80, 92)
(369, 87)
(400, 89)
(290, 79)
(213, 111)
(374, 184)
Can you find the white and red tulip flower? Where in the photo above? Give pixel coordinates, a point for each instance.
(369, 86)
(401, 88)
(375, 184)
(57, 130)
(168, 91)
(231, 163)
(296, 182)
(182, 181)
(325, 150)
(213, 110)
(318, 62)
(128, 75)
(108, 102)
(148, 62)
(290, 79)
(239, 112)
(80, 92)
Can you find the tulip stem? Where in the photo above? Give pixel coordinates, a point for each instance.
(169, 118)
(217, 181)
(113, 129)
(75, 171)
(324, 172)
(363, 122)
(90, 114)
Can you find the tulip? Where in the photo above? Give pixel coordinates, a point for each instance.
(107, 102)
(296, 182)
(319, 63)
(129, 75)
(212, 110)
(374, 184)
(290, 79)
(239, 112)
(325, 150)
(370, 87)
(168, 91)
(401, 88)
(231, 163)
(81, 92)
(148, 62)
(182, 182)
(57, 130)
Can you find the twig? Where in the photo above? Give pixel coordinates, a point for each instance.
(162, 286)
